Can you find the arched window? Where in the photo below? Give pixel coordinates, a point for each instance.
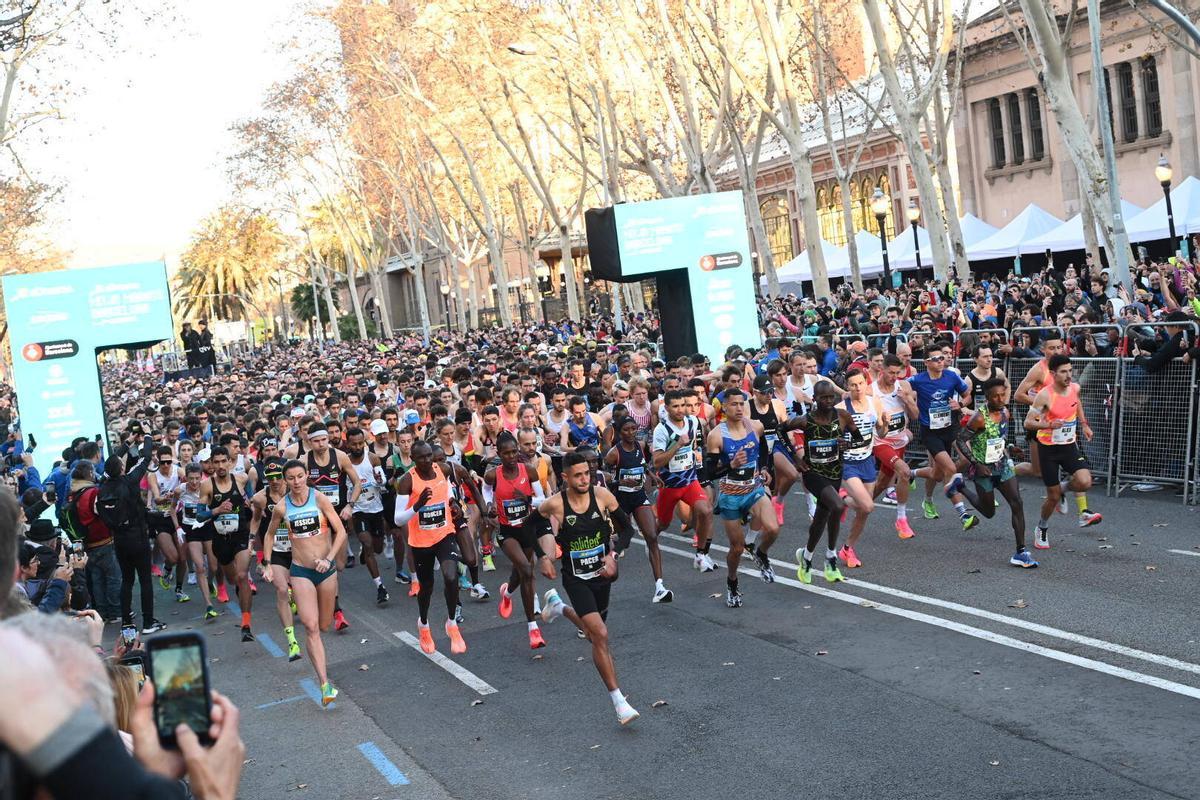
(839, 219)
(778, 225)
(856, 207)
(866, 189)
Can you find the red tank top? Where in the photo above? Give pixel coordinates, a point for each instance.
(512, 511)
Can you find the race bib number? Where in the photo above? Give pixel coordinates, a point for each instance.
(283, 542)
(329, 491)
(369, 494)
(995, 451)
(682, 461)
(432, 517)
(306, 525)
(1063, 435)
(516, 510)
(939, 418)
(227, 523)
(586, 564)
(822, 451)
(771, 440)
(634, 474)
(897, 422)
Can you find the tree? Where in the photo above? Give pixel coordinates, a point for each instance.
(226, 268)
(306, 309)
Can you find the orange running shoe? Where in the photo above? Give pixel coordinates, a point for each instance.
(457, 645)
(535, 639)
(904, 530)
(849, 557)
(505, 602)
(427, 645)
(414, 587)
(222, 594)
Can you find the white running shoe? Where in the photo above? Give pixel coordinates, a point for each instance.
(626, 713)
(812, 506)
(389, 549)
(537, 604)
(662, 595)
(888, 498)
(703, 563)
(1087, 518)
(479, 592)
(1041, 538)
(191, 579)
(1062, 504)
(553, 608)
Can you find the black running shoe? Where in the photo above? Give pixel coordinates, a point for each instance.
(381, 594)
(247, 636)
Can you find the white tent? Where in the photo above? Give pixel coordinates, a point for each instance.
(1069, 235)
(902, 254)
(1006, 242)
(974, 230)
(798, 268)
(1151, 224)
(868, 255)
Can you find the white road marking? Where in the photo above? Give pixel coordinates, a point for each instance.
(1045, 630)
(1185, 552)
(462, 673)
(978, 633)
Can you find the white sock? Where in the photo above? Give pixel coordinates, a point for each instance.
(808, 554)
(1063, 485)
(379, 581)
(422, 625)
(450, 623)
(533, 626)
(617, 697)
(901, 511)
(505, 592)
(830, 554)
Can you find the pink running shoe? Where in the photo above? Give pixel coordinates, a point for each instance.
(904, 530)
(849, 557)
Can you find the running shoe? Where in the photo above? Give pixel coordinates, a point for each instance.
(403, 577)
(778, 504)
(479, 592)
(536, 641)
(626, 713)
(339, 621)
(537, 604)
(580, 634)
(1041, 538)
(955, 487)
(832, 573)
(457, 645)
(156, 571)
(426, 637)
(662, 595)
(293, 651)
(969, 521)
(703, 563)
(888, 498)
(464, 581)
(350, 561)
(181, 596)
(845, 506)
(247, 636)
(458, 615)
(389, 549)
(191, 579)
(253, 587)
(805, 567)
(506, 602)
(1021, 558)
(222, 594)
(1087, 518)
(733, 598)
(164, 580)
(154, 627)
(414, 588)
(328, 693)
(929, 508)
(553, 606)
(381, 594)
(847, 554)
(764, 568)
(904, 530)
(751, 549)
(1062, 504)
(812, 506)
(210, 614)
(488, 564)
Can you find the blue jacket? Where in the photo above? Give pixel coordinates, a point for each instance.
(60, 479)
(829, 362)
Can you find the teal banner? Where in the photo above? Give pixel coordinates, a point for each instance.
(57, 322)
(706, 234)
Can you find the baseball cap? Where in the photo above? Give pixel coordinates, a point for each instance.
(378, 427)
(763, 384)
(857, 346)
(412, 417)
(273, 468)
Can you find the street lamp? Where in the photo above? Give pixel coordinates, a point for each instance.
(914, 215)
(446, 306)
(1163, 173)
(879, 207)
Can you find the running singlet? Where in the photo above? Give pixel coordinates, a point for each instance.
(933, 398)
(631, 465)
(898, 434)
(681, 469)
(189, 509)
(370, 499)
(821, 449)
(587, 435)
(643, 419)
(166, 485)
(584, 539)
(1066, 408)
(555, 428)
(769, 420)
(861, 438)
(989, 444)
(232, 521)
(305, 520)
(977, 399)
(744, 479)
(513, 511)
(329, 480)
(280, 541)
(432, 522)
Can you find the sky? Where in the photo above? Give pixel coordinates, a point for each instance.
(142, 153)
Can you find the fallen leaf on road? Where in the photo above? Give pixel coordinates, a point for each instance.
(362, 641)
(595, 747)
(994, 763)
(822, 652)
(1102, 539)
(808, 606)
(727, 664)
(1106, 547)
(476, 702)
(363, 667)
(776, 678)
(1160, 524)
(868, 604)
(712, 596)
(213, 660)
(1020, 603)
(579, 658)
(1135, 544)
(658, 704)
(976, 672)
(1151, 568)
(974, 571)
(538, 657)
(217, 633)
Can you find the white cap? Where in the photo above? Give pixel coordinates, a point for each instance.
(204, 455)
(378, 426)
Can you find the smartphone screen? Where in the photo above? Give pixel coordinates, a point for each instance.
(179, 670)
(138, 665)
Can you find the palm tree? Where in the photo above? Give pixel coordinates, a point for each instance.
(225, 271)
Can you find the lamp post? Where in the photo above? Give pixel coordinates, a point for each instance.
(1163, 173)
(879, 207)
(446, 307)
(914, 216)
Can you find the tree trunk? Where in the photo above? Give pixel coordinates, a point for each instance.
(1090, 243)
(941, 162)
(327, 276)
(473, 291)
(848, 222)
(806, 199)
(378, 280)
(355, 300)
(568, 264)
(418, 275)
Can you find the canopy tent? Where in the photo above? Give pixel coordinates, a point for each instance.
(1151, 224)
(975, 230)
(1006, 242)
(902, 254)
(1069, 235)
(868, 253)
(798, 268)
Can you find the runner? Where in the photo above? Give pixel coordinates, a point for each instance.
(583, 427)
(225, 494)
(825, 427)
(588, 567)
(369, 524)
(463, 489)
(310, 517)
(983, 440)
(771, 412)
(163, 490)
(674, 441)
(899, 405)
(1056, 414)
(984, 370)
(738, 457)
(198, 535)
(939, 392)
(858, 458)
(423, 504)
(329, 472)
(276, 547)
(627, 460)
(511, 497)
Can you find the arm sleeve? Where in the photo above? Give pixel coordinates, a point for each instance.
(539, 496)
(489, 494)
(403, 512)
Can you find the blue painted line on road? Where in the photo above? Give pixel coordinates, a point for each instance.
(313, 691)
(390, 772)
(233, 604)
(283, 701)
(269, 645)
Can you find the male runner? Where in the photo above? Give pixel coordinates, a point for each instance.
(674, 441)
(858, 458)
(627, 460)
(197, 534)
(369, 524)
(771, 412)
(939, 393)
(825, 427)
(164, 485)
(899, 405)
(225, 494)
(984, 370)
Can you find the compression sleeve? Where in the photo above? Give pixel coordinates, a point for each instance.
(539, 496)
(714, 465)
(403, 512)
(489, 494)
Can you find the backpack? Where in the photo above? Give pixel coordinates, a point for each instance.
(111, 506)
(82, 521)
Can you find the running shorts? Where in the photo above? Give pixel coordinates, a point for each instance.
(814, 484)
(369, 522)
(864, 470)
(1053, 457)
(940, 440)
(588, 597)
(159, 523)
(887, 456)
(525, 534)
(445, 550)
(631, 501)
(670, 496)
(227, 546)
(1000, 473)
(281, 559)
(202, 534)
(735, 507)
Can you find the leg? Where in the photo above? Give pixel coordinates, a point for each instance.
(981, 499)
(597, 632)
(423, 558)
(785, 475)
(200, 562)
(308, 608)
(125, 560)
(762, 515)
(447, 554)
(279, 579)
(240, 575)
(368, 553)
(737, 544)
(145, 584)
(859, 494)
(646, 523)
(1010, 490)
(521, 575)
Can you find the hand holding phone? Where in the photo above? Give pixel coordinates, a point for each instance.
(182, 691)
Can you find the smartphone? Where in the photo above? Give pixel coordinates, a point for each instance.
(129, 636)
(77, 548)
(137, 663)
(178, 666)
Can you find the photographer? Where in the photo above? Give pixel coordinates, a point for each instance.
(119, 506)
(43, 579)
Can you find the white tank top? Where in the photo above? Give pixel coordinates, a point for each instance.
(370, 499)
(166, 485)
(898, 434)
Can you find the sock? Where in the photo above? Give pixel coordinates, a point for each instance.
(830, 554)
(289, 632)
(1081, 501)
(337, 606)
(658, 584)
(617, 697)
(505, 593)
(422, 623)
(532, 627)
(1043, 524)
(1062, 485)
(245, 619)
(379, 581)
(961, 508)
(704, 548)
(474, 570)
(901, 511)
(808, 554)
(732, 584)
(450, 623)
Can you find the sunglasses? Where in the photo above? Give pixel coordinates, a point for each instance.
(166, 461)
(936, 358)
(273, 475)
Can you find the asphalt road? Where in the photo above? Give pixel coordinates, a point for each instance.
(936, 671)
